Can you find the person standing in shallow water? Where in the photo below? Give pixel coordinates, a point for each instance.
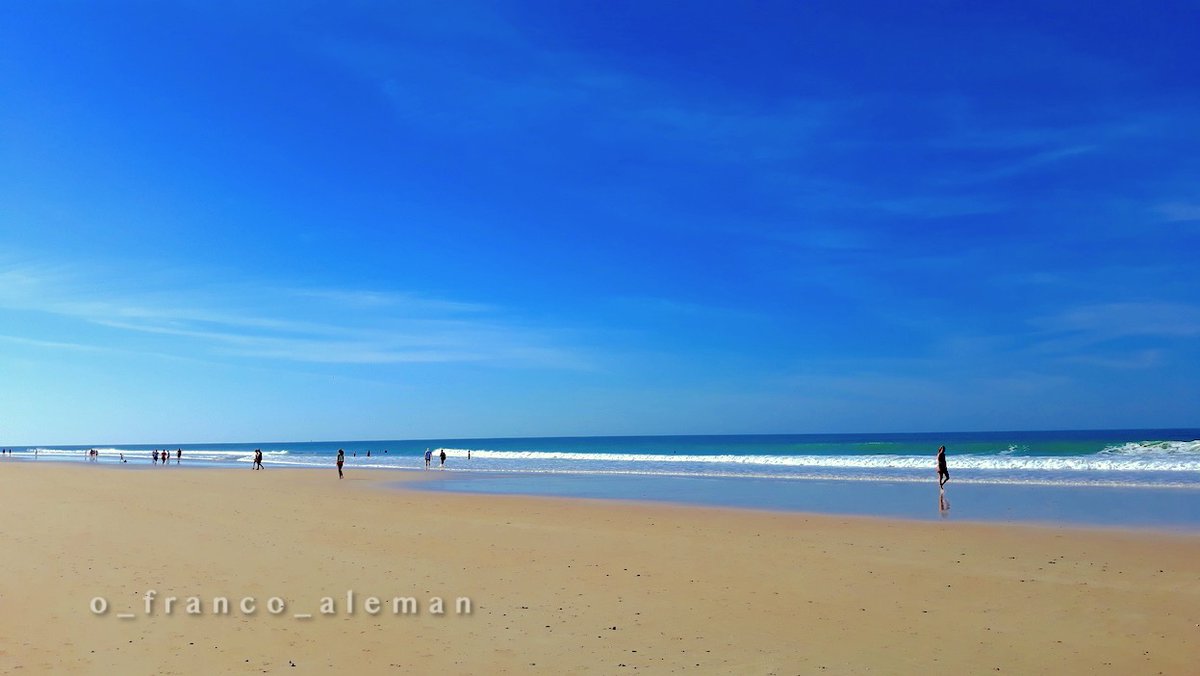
(340, 459)
(442, 455)
(943, 472)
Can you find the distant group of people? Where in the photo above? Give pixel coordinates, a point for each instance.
(163, 456)
(340, 460)
(8, 451)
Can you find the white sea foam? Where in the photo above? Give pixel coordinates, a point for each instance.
(1155, 457)
(1155, 448)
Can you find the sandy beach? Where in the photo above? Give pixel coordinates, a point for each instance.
(556, 585)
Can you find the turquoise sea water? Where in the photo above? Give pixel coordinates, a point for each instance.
(1127, 477)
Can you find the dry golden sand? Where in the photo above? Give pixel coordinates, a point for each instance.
(560, 586)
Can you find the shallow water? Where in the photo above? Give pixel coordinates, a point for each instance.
(1143, 507)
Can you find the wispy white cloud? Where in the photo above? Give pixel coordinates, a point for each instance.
(1009, 168)
(1107, 321)
(673, 308)
(330, 326)
(725, 132)
(940, 206)
(968, 134)
(51, 344)
(407, 302)
(1179, 211)
(1140, 359)
(1121, 336)
(622, 104)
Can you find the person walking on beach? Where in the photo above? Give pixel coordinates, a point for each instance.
(428, 457)
(943, 473)
(155, 456)
(258, 459)
(178, 455)
(442, 455)
(340, 459)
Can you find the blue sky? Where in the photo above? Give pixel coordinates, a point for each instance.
(300, 221)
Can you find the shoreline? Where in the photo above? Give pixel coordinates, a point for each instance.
(1191, 529)
(1160, 508)
(458, 468)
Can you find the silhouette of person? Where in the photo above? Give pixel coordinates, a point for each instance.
(943, 472)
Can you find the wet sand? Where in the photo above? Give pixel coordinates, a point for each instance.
(558, 585)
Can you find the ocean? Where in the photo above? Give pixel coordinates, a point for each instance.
(1131, 458)
(1106, 477)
